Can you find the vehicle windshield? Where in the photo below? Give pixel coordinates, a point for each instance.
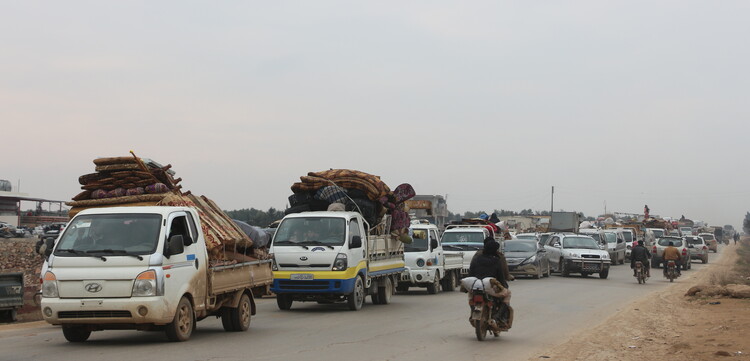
(419, 241)
(628, 236)
(658, 232)
(707, 237)
(136, 234)
(311, 231)
(611, 237)
(579, 242)
(520, 246)
(694, 240)
(463, 237)
(665, 242)
(543, 238)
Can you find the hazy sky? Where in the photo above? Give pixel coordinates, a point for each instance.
(491, 103)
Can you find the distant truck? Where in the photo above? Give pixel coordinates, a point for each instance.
(564, 222)
(11, 295)
(144, 268)
(427, 265)
(333, 256)
(465, 240)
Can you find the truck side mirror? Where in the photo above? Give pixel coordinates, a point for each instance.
(175, 245)
(356, 242)
(433, 243)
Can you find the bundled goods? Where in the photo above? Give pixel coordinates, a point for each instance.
(133, 182)
(354, 191)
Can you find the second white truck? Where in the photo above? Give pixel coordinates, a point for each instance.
(427, 265)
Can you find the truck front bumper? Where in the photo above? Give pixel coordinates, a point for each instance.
(418, 276)
(329, 286)
(136, 310)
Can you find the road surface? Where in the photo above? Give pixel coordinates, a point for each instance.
(415, 326)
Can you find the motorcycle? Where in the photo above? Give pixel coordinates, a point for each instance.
(671, 271)
(640, 272)
(488, 313)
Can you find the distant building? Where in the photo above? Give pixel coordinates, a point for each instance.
(46, 210)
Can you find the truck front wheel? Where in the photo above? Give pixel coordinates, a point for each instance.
(434, 287)
(284, 301)
(449, 281)
(357, 297)
(76, 333)
(183, 324)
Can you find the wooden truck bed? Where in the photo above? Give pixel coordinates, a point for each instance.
(228, 278)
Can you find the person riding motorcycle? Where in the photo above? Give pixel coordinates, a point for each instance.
(640, 253)
(500, 257)
(671, 253)
(488, 264)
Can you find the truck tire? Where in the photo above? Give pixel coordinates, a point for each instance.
(402, 287)
(237, 319)
(385, 292)
(603, 274)
(75, 333)
(284, 302)
(434, 287)
(449, 282)
(356, 299)
(182, 326)
(564, 268)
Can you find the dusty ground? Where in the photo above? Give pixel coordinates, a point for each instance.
(670, 326)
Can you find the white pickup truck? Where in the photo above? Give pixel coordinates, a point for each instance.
(144, 268)
(464, 240)
(330, 257)
(427, 265)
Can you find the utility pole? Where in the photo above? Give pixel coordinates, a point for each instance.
(552, 206)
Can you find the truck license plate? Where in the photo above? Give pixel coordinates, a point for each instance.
(302, 276)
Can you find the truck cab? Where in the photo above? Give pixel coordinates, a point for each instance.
(465, 240)
(332, 257)
(426, 263)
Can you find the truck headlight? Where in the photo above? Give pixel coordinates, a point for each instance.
(420, 262)
(49, 285)
(145, 284)
(340, 263)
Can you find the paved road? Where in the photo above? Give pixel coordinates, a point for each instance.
(415, 326)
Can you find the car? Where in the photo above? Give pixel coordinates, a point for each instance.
(629, 235)
(658, 250)
(528, 236)
(697, 248)
(713, 244)
(615, 246)
(686, 231)
(526, 257)
(675, 233)
(574, 253)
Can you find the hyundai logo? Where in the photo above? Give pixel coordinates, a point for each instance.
(303, 258)
(93, 287)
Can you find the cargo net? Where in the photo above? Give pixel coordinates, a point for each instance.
(356, 191)
(132, 181)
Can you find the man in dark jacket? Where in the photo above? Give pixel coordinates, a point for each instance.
(488, 263)
(640, 253)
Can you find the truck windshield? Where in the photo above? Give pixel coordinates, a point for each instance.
(611, 237)
(419, 241)
(628, 236)
(112, 234)
(658, 233)
(463, 237)
(311, 231)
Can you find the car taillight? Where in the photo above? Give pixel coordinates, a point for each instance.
(654, 251)
(704, 247)
(684, 251)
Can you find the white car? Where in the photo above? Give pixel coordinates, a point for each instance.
(574, 253)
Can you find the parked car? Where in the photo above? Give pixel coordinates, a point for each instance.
(658, 250)
(527, 258)
(713, 244)
(697, 247)
(575, 253)
(615, 246)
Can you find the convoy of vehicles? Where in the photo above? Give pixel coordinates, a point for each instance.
(144, 268)
(427, 265)
(329, 257)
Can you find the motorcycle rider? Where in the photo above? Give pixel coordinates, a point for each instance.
(488, 264)
(640, 253)
(671, 253)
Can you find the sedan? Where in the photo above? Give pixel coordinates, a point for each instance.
(526, 258)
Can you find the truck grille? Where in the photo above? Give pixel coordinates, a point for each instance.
(303, 285)
(94, 314)
(590, 256)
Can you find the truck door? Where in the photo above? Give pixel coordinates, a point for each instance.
(182, 270)
(436, 253)
(358, 254)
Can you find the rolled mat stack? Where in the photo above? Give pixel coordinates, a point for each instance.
(356, 191)
(133, 182)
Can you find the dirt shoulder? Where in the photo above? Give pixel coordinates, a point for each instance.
(667, 325)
